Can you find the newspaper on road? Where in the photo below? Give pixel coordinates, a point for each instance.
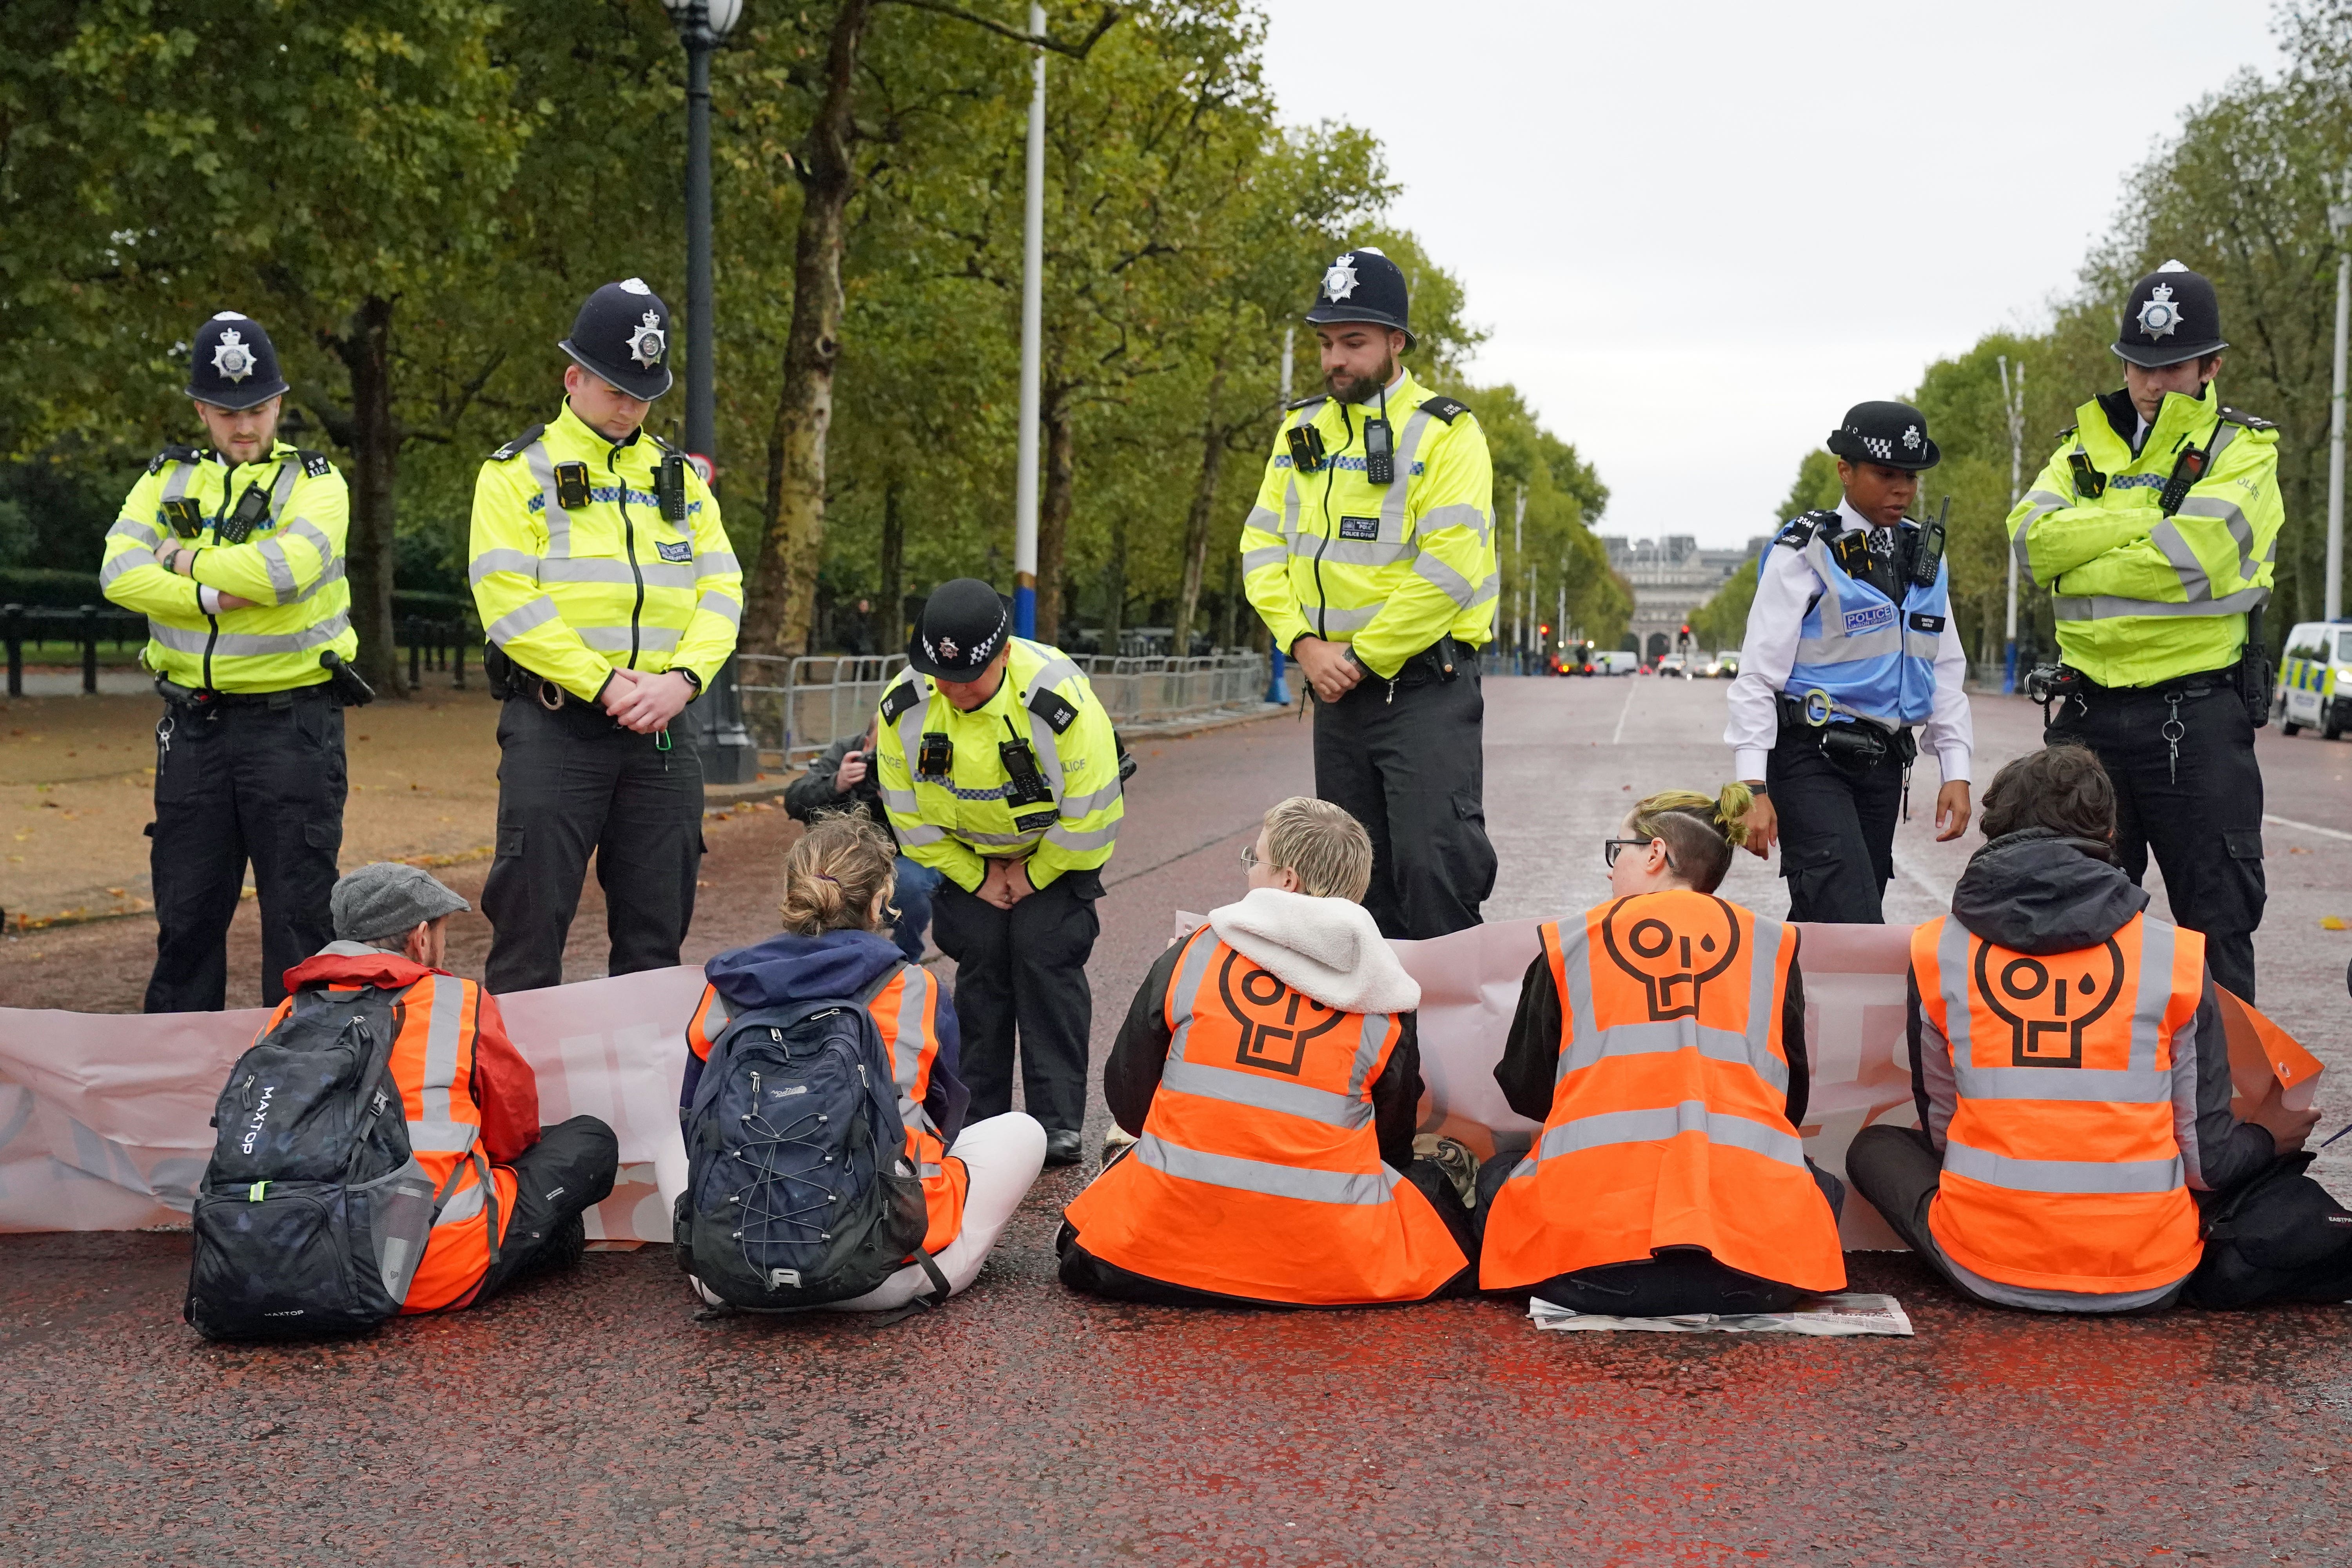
(1827, 1316)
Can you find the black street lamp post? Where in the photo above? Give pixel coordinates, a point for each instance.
(715, 724)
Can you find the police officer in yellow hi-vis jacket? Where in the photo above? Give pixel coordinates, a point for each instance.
(1371, 556)
(1000, 770)
(236, 557)
(610, 598)
(2153, 528)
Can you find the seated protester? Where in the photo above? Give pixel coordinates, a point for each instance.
(2073, 1081)
(457, 1072)
(1660, 1039)
(842, 779)
(1270, 1072)
(837, 905)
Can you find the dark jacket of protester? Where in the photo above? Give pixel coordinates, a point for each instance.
(812, 793)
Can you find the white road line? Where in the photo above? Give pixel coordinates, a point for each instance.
(1634, 686)
(2309, 827)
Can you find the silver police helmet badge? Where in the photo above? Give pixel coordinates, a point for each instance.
(1910, 437)
(232, 356)
(2161, 317)
(948, 648)
(646, 344)
(1341, 281)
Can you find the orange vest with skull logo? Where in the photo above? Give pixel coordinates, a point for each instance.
(1668, 1124)
(2061, 1168)
(1258, 1174)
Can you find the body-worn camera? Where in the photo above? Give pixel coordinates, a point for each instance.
(251, 508)
(1305, 447)
(2089, 483)
(2187, 470)
(185, 517)
(935, 758)
(570, 485)
(2048, 683)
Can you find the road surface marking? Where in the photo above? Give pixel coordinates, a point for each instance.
(2308, 827)
(1619, 738)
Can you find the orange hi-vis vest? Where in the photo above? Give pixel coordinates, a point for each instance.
(1258, 1174)
(901, 1003)
(2061, 1167)
(433, 1024)
(1669, 1116)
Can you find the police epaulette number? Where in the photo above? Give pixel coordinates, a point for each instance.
(1054, 708)
(896, 701)
(1445, 408)
(2249, 421)
(516, 448)
(1798, 531)
(314, 463)
(1310, 401)
(172, 455)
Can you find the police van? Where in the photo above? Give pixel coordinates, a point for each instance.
(2316, 679)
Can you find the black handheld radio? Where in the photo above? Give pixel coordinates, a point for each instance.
(669, 486)
(251, 508)
(1380, 452)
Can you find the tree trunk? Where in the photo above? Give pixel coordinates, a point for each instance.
(1114, 590)
(1053, 517)
(1229, 613)
(374, 439)
(783, 588)
(890, 612)
(1196, 523)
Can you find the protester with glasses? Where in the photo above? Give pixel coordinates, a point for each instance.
(1661, 1041)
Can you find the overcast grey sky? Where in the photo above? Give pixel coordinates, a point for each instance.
(1696, 233)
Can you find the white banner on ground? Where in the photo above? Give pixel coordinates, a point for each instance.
(104, 1118)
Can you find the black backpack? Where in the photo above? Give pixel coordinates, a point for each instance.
(313, 1213)
(798, 1191)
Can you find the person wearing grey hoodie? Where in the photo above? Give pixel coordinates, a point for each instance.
(2044, 885)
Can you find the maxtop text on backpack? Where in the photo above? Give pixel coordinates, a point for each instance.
(798, 1191)
(313, 1212)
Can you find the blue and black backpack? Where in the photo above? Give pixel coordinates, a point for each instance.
(798, 1189)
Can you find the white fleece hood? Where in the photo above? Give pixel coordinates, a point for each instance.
(1327, 949)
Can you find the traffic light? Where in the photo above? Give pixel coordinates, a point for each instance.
(1544, 629)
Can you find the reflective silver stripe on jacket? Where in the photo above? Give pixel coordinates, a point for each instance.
(1238, 1174)
(2043, 503)
(437, 1129)
(2107, 606)
(2242, 532)
(2140, 1082)
(910, 724)
(715, 1014)
(904, 1039)
(1660, 1123)
(490, 560)
(1454, 586)
(1210, 1083)
(1587, 1042)
(523, 618)
(596, 569)
(719, 605)
(558, 521)
(618, 639)
(717, 563)
(242, 645)
(2064, 1176)
(1184, 990)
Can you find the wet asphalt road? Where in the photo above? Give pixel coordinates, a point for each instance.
(591, 1419)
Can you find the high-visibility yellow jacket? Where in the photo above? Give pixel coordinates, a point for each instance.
(573, 594)
(950, 821)
(291, 566)
(1389, 568)
(2142, 598)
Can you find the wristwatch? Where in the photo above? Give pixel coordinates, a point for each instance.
(691, 680)
(1760, 791)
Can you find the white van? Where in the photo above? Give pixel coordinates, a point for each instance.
(1616, 662)
(2316, 679)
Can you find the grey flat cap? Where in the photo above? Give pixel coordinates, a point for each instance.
(388, 898)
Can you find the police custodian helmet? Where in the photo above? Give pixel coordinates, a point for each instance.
(622, 334)
(1891, 434)
(2172, 315)
(1363, 285)
(963, 627)
(233, 364)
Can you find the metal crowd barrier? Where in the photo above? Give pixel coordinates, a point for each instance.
(87, 626)
(435, 646)
(796, 707)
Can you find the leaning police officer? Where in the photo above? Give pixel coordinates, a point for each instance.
(2153, 529)
(1371, 556)
(235, 554)
(1850, 649)
(1000, 770)
(609, 597)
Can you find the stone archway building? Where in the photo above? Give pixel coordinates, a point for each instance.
(1670, 578)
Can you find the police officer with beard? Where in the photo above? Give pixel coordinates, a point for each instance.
(2153, 528)
(1370, 557)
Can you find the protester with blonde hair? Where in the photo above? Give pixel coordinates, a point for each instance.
(1270, 1072)
(836, 944)
(1660, 1039)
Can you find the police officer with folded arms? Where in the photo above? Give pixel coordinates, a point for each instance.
(235, 554)
(1851, 666)
(1370, 557)
(2153, 528)
(609, 597)
(1000, 770)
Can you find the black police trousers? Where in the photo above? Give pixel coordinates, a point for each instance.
(2200, 811)
(1837, 829)
(1407, 759)
(257, 779)
(572, 784)
(1021, 974)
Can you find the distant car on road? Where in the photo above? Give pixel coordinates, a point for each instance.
(1675, 664)
(1722, 666)
(1616, 662)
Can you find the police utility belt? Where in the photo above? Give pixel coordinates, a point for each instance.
(343, 686)
(2254, 678)
(1854, 748)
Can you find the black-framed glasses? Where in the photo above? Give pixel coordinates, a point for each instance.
(1612, 848)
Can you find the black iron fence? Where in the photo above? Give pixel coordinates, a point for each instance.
(434, 646)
